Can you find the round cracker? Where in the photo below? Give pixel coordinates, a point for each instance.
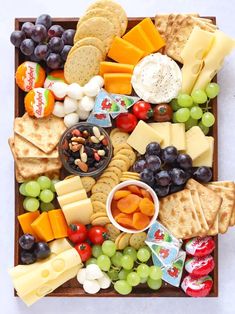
(101, 188)
(112, 231)
(99, 197)
(112, 175)
(119, 164)
(121, 146)
(98, 207)
(99, 27)
(88, 183)
(110, 181)
(115, 130)
(124, 241)
(100, 221)
(119, 138)
(137, 240)
(124, 158)
(113, 7)
(97, 215)
(130, 155)
(122, 179)
(87, 41)
(114, 169)
(82, 64)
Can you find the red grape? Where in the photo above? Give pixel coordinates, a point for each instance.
(44, 20)
(17, 37)
(65, 51)
(56, 44)
(27, 47)
(41, 51)
(163, 178)
(68, 36)
(39, 33)
(55, 31)
(27, 28)
(54, 61)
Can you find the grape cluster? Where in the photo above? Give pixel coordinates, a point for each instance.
(43, 41)
(35, 191)
(126, 268)
(193, 109)
(167, 171)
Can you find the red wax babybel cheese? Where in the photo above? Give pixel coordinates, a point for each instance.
(200, 246)
(52, 78)
(197, 287)
(200, 266)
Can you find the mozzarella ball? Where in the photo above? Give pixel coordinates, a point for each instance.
(104, 281)
(91, 286)
(91, 89)
(70, 105)
(81, 276)
(71, 119)
(59, 89)
(93, 272)
(83, 115)
(97, 79)
(75, 91)
(58, 110)
(86, 103)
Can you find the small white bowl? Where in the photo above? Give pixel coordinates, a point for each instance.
(123, 185)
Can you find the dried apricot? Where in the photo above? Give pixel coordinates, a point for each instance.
(134, 189)
(129, 204)
(126, 220)
(114, 209)
(140, 221)
(146, 193)
(120, 194)
(146, 206)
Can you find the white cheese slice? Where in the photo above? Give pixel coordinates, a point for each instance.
(206, 159)
(164, 129)
(72, 197)
(178, 138)
(196, 143)
(68, 185)
(80, 212)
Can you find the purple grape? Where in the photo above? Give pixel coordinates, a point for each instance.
(56, 44)
(42, 250)
(139, 165)
(54, 61)
(55, 31)
(147, 176)
(27, 47)
(184, 161)
(27, 28)
(68, 36)
(169, 154)
(203, 174)
(153, 149)
(33, 58)
(163, 178)
(65, 51)
(44, 20)
(17, 37)
(178, 176)
(27, 257)
(153, 162)
(39, 33)
(162, 191)
(176, 188)
(27, 241)
(41, 51)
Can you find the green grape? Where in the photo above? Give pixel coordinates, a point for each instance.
(46, 196)
(116, 259)
(147, 248)
(133, 279)
(204, 129)
(174, 118)
(96, 250)
(143, 270)
(123, 274)
(130, 251)
(185, 100)
(104, 262)
(31, 204)
(53, 182)
(127, 262)
(22, 189)
(44, 182)
(122, 287)
(91, 260)
(113, 274)
(155, 272)
(174, 104)
(199, 96)
(196, 112)
(143, 255)
(109, 248)
(45, 207)
(182, 115)
(190, 123)
(32, 188)
(208, 119)
(143, 280)
(154, 284)
(212, 90)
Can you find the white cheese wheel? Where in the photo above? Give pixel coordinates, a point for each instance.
(104, 281)
(91, 286)
(81, 276)
(59, 89)
(75, 91)
(93, 272)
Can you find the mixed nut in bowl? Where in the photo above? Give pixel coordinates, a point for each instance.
(85, 149)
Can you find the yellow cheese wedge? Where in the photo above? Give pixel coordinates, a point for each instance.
(178, 138)
(80, 212)
(206, 159)
(72, 197)
(68, 185)
(142, 135)
(196, 143)
(124, 52)
(60, 245)
(164, 129)
(118, 83)
(113, 67)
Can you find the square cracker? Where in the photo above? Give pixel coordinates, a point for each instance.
(44, 133)
(199, 211)
(210, 201)
(214, 229)
(178, 214)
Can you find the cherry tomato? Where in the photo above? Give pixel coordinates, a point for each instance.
(84, 250)
(97, 234)
(126, 122)
(142, 110)
(77, 233)
(162, 113)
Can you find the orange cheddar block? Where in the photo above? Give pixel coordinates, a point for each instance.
(42, 227)
(124, 52)
(113, 67)
(152, 33)
(139, 38)
(118, 83)
(58, 223)
(25, 221)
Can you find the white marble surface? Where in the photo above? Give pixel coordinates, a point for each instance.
(225, 303)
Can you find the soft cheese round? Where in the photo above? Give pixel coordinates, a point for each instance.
(157, 79)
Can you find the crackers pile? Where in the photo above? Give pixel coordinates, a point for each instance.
(135, 240)
(103, 20)
(176, 29)
(34, 146)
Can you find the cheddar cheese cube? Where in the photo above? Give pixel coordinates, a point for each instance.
(152, 33)
(118, 83)
(113, 67)
(42, 228)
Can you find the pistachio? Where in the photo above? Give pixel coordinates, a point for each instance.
(96, 131)
(94, 139)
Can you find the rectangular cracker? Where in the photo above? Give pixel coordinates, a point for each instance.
(199, 211)
(214, 229)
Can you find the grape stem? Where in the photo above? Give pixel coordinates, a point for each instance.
(206, 108)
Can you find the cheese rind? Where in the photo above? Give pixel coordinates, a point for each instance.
(79, 212)
(178, 138)
(196, 142)
(164, 129)
(206, 159)
(72, 197)
(68, 185)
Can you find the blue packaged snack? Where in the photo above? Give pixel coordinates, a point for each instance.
(105, 103)
(165, 253)
(101, 119)
(125, 101)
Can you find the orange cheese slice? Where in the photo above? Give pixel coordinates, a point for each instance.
(152, 33)
(118, 83)
(139, 38)
(113, 67)
(124, 52)
(26, 220)
(42, 227)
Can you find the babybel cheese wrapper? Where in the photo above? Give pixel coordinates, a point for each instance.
(200, 246)
(125, 101)
(105, 103)
(101, 119)
(164, 252)
(197, 287)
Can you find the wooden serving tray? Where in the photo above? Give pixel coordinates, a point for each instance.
(72, 288)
